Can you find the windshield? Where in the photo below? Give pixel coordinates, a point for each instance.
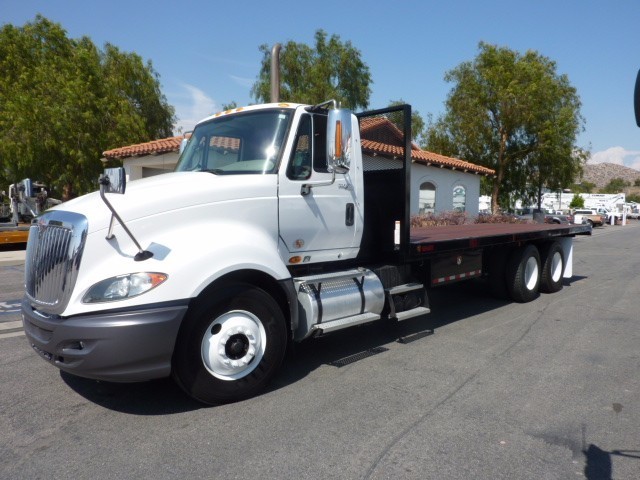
(244, 143)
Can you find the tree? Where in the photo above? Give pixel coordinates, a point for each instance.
(229, 106)
(584, 187)
(512, 113)
(417, 123)
(330, 70)
(615, 185)
(636, 182)
(63, 102)
(577, 201)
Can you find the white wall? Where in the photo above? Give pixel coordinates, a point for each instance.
(445, 180)
(152, 165)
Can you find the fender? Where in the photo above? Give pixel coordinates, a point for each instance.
(205, 245)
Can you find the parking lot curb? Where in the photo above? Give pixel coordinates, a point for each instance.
(12, 258)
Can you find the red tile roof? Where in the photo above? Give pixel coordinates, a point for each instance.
(381, 137)
(164, 145)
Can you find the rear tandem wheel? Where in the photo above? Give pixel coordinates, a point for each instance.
(553, 265)
(523, 273)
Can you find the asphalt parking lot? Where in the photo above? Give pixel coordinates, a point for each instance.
(544, 390)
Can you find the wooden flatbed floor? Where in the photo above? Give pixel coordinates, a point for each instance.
(447, 238)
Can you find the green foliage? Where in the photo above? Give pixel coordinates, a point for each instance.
(636, 183)
(513, 113)
(616, 185)
(330, 70)
(633, 197)
(229, 106)
(417, 123)
(584, 187)
(63, 102)
(577, 202)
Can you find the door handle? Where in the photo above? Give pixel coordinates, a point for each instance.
(349, 215)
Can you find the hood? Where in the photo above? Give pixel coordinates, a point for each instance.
(168, 192)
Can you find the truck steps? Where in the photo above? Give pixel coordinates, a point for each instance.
(407, 301)
(407, 287)
(333, 325)
(415, 312)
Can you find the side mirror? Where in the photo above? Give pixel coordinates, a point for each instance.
(339, 140)
(183, 145)
(26, 187)
(636, 99)
(113, 180)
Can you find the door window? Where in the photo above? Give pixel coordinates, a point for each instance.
(300, 163)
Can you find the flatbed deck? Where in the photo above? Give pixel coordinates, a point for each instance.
(455, 237)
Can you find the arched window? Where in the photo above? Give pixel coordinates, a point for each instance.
(427, 199)
(459, 198)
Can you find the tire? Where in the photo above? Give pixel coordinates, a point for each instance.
(230, 346)
(553, 264)
(523, 274)
(590, 222)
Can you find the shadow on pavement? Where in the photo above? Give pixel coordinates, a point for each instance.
(448, 303)
(156, 397)
(599, 465)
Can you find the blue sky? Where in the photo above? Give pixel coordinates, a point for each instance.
(206, 52)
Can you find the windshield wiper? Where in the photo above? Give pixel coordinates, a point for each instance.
(216, 171)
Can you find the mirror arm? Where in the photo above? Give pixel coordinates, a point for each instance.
(142, 254)
(306, 187)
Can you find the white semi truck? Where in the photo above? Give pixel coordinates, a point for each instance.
(272, 229)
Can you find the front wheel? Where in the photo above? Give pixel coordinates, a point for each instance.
(231, 344)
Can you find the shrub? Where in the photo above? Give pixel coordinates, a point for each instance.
(460, 218)
(500, 218)
(439, 219)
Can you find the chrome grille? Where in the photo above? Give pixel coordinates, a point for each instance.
(54, 250)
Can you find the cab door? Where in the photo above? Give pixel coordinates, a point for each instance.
(317, 222)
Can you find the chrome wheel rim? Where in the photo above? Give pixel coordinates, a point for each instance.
(233, 345)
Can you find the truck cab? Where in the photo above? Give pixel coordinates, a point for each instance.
(258, 192)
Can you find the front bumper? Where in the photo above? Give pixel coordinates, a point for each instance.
(117, 346)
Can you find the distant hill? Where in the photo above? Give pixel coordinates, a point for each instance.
(603, 173)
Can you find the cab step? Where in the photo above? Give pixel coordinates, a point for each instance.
(333, 325)
(415, 312)
(407, 301)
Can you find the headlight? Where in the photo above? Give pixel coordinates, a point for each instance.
(123, 286)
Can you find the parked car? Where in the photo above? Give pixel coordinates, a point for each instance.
(609, 214)
(558, 218)
(589, 216)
